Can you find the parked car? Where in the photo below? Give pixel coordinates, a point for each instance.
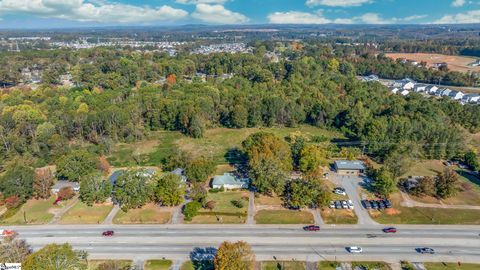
(311, 228)
(425, 250)
(366, 204)
(388, 203)
(350, 204)
(344, 204)
(381, 205)
(374, 204)
(338, 205)
(332, 204)
(389, 230)
(354, 249)
(108, 233)
(339, 191)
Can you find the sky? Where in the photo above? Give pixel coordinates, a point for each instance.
(84, 13)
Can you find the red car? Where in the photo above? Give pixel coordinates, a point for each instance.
(390, 230)
(311, 228)
(108, 233)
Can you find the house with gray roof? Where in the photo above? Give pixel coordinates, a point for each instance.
(349, 167)
(230, 181)
(65, 184)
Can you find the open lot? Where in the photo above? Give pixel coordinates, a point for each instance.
(157, 265)
(469, 188)
(34, 212)
(455, 62)
(84, 214)
(283, 217)
(339, 216)
(217, 143)
(149, 214)
(224, 211)
(419, 215)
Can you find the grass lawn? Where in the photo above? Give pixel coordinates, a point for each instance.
(217, 143)
(84, 214)
(284, 265)
(149, 214)
(157, 265)
(338, 216)
(268, 200)
(189, 265)
(419, 215)
(325, 265)
(35, 211)
(283, 217)
(451, 266)
(371, 265)
(112, 264)
(469, 186)
(224, 211)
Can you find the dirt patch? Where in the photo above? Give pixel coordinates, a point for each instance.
(455, 62)
(392, 212)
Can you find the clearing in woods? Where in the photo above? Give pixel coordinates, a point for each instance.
(455, 62)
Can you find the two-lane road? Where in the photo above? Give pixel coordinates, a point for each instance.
(452, 243)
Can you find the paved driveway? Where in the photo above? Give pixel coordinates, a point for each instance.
(352, 184)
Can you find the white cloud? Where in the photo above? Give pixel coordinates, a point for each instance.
(297, 17)
(190, 2)
(217, 14)
(458, 3)
(100, 11)
(472, 16)
(337, 3)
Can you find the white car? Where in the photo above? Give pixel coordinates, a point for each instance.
(350, 204)
(344, 204)
(354, 249)
(332, 204)
(340, 192)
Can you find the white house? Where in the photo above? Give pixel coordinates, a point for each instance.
(404, 92)
(431, 89)
(420, 88)
(456, 95)
(394, 90)
(64, 184)
(230, 181)
(443, 92)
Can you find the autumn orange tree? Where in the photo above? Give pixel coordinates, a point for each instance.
(237, 256)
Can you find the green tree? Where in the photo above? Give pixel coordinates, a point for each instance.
(446, 183)
(269, 162)
(133, 189)
(76, 164)
(306, 193)
(237, 256)
(169, 190)
(17, 180)
(191, 210)
(93, 189)
(383, 182)
(311, 158)
(199, 170)
(426, 186)
(56, 257)
(471, 160)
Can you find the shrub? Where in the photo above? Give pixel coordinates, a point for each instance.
(12, 202)
(191, 210)
(217, 190)
(66, 193)
(210, 205)
(237, 203)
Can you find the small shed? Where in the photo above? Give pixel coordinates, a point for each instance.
(230, 181)
(349, 167)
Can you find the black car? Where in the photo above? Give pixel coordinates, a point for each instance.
(366, 204)
(374, 204)
(311, 228)
(338, 205)
(381, 205)
(387, 203)
(425, 250)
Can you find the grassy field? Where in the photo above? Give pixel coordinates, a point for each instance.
(157, 265)
(149, 214)
(189, 265)
(217, 143)
(325, 265)
(371, 265)
(115, 264)
(451, 266)
(35, 212)
(283, 217)
(419, 215)
(455, 62)
(224, 211)
(84, 214)
(284, 265)
(268, 200)
(465, 196)
(339, 216)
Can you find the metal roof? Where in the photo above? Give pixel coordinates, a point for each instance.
(349, 165)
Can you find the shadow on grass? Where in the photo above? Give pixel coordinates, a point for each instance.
(202, 258)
